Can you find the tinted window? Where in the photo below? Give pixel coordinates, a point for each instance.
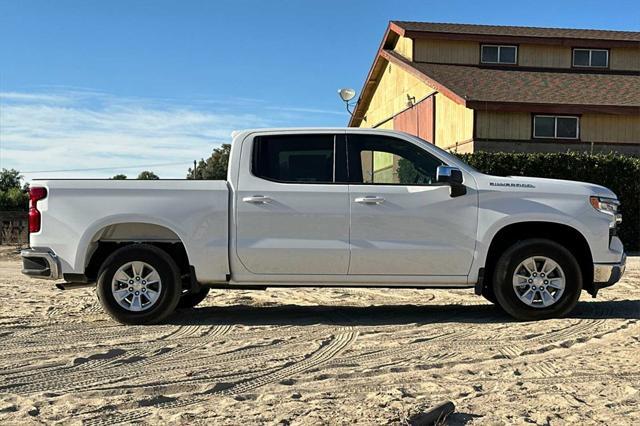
(558, 127)
(590, 58)
(508, 55)
(567, 127)
(489, 53)
(581, 58)
(388, 161)
(599, 58)
(294, 158)
(544, 127)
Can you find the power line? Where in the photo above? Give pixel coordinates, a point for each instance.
(108, 168)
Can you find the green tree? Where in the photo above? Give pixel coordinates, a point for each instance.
(148, 175)
(12, 195)
(9, 179)
(214, 167)
(119, 177)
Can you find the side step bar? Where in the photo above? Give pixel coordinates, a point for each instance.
(71, 286)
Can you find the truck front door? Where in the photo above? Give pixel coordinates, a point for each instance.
(402, 221)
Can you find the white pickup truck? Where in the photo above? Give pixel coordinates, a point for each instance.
(327, 208)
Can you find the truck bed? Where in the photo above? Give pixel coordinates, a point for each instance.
(76, 214)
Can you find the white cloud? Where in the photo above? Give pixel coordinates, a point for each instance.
(309, 110)
(33, 97)
(84, 129)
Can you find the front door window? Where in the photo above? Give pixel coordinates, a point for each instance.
(389, 161)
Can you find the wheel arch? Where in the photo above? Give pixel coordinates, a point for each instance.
(561, 233)
(104, 238)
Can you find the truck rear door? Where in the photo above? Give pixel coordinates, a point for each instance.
(292, 217)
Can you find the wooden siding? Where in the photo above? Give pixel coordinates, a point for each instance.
(625, 58)
(454, 123)
(597, 128)
(417, 120)
(536, 55)
(529, 55)
(425, 113)
(447, 51)
(404, 47)
(610, 128)
(390, 97)
(503, 125)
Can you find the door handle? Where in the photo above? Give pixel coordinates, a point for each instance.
(369, 200)
(257, 199)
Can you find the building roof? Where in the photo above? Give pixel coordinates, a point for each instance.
(487, 84)
(513, 31)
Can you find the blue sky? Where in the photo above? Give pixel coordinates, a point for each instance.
(118, 85)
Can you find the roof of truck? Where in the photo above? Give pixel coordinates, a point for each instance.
(307, 129)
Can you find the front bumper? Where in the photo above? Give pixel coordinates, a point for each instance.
(40, 263)
(607, 274)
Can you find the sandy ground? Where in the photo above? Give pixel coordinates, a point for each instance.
(313, 356)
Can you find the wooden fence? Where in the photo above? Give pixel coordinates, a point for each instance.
(14, 228)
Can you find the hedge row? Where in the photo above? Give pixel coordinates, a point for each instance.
(619, 173)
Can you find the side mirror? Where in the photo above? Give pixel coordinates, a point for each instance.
(448, 174)
(453, 177)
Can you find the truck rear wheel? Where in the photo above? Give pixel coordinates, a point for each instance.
(537, 279)
(190, 300)
(139, 284)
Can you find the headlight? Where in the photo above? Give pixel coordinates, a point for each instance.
(607, 205)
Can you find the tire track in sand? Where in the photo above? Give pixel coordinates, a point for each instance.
(328, 350)
(101, 372)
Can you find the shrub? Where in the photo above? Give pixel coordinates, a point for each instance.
(619, 173)
(13, 196)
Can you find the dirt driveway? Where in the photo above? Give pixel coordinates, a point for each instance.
(308, 356)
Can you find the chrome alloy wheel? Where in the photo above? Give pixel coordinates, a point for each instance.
(136, 286)
(539, 282)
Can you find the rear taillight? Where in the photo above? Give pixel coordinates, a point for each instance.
(35, 220)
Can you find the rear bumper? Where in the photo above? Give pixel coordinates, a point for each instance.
(40, 263)
(607, 274)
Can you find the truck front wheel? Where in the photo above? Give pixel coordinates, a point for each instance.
(537, 279)
(139, 284)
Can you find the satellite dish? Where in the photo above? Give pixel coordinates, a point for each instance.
(346, 94)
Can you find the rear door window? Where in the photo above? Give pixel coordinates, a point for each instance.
(295, 158)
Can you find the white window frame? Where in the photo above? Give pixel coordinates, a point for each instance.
(499, 46)
(573, 57)
(555, 126)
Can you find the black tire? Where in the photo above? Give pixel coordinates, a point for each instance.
(503, 279)
(169, 293)
(488, 294)
(190, 300)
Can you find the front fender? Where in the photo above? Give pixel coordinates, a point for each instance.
(501, 212)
